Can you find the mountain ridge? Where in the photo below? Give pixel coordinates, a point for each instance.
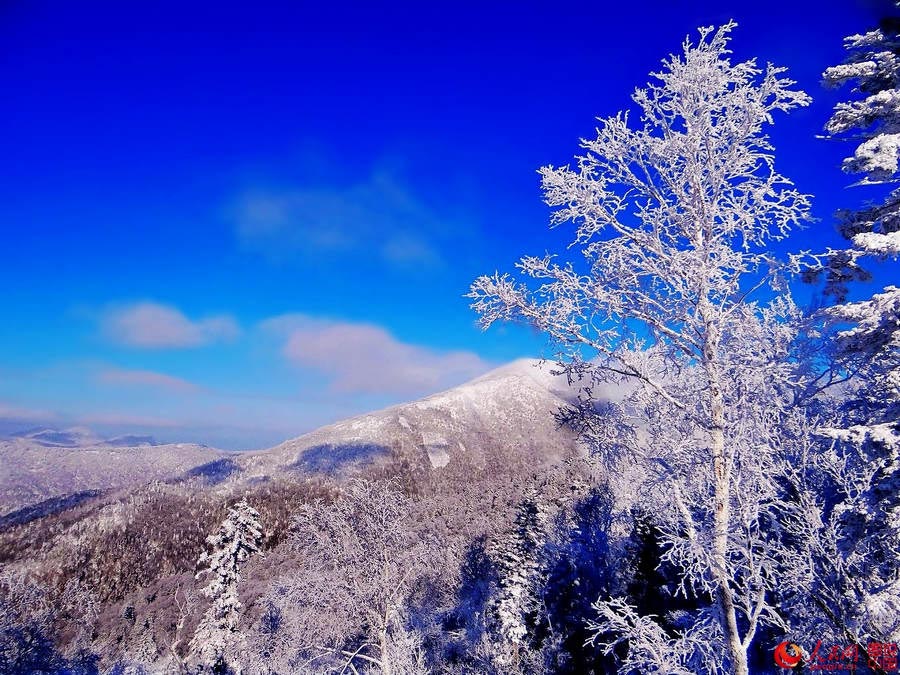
(508, 412)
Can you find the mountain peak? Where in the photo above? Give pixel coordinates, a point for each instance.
(539, 371)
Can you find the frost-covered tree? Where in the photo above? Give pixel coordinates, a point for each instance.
(350, 607)
(31, 618)
(673, 216)
(867, 351)
(518, 559)
(872, 123)
(845, 515)
(27, 626)
(239, 537)
(184, 601)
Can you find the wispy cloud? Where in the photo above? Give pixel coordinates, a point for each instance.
(379, 215)
(15, 412)
(150, 325)
(128, 420)
(407, 250)
(145, 378)
(367, 359)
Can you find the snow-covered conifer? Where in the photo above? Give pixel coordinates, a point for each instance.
(872, 123)
(518, 559)
(845, 517)
(846, 514)
(237, 539)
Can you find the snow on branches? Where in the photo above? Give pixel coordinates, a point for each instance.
(672, 216)
(237, 539)
(872, 122)
(348, 607)
(518, 566)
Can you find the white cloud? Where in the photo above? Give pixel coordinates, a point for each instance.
(145, 378)
(128, 420)
(407, 250)
(365, 358)
(378, 215)
(151, 325)
(14, 412)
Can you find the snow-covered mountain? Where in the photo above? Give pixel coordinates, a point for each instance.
(78, 437)
(47, 464)
(95, 514)
(73, 437)
(504, 414)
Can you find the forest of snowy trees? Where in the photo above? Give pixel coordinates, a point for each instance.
(741, 494)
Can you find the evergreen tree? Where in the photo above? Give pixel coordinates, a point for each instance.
(845, 515)
(872, 122)
(518, 559)
(238, 538)
(846, 511)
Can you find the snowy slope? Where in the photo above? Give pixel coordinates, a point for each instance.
(505, 416)
(33, 469)
(506, 413)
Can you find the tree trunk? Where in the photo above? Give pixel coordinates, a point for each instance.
(728, 617)
(385, 652)
(722, 502)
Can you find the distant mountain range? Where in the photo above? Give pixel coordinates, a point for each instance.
(78, 437)
(503, 416)
(48, 464)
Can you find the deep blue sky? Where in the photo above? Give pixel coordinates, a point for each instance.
(233, 222)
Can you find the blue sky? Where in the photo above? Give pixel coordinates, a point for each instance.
(233, 222)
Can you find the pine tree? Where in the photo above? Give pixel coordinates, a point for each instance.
(518, 559)
(873, 123)
(847, 561)
(238, 538)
